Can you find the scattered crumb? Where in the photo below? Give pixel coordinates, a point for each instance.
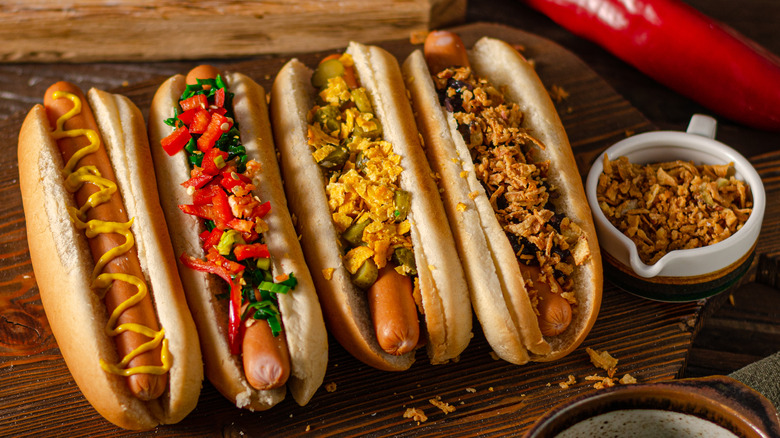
(558, 94)
(629, 132)
(605, 361)
(601, 382)
(418, 36)
(490, 389)
(473, 195)
(330, 387)
(471, 390)
(464, 174)
(416, 415)
(444, 406)
(461, 207)
(494, 355)
(566, 384)
(308, 428)
(327, 273)
(602, 359)
(731, 300)
(627, 379)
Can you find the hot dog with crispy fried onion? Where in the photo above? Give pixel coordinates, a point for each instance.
(101, 255)
(372, 224)
(244, 275)
(513, 195)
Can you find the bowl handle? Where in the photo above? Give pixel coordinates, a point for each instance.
(705, 126)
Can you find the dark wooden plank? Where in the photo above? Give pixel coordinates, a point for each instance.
(650, 339)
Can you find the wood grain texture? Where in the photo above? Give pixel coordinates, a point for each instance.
(132, 30)
(651, 340)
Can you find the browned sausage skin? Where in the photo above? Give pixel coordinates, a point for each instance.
(118, 271)
(394, 312)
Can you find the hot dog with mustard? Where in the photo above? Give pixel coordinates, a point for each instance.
(101, 255)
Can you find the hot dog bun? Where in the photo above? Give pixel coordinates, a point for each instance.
(302, 318)
(492, 269)
(447, 312)
(63, 265)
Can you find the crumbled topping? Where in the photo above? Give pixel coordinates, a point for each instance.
(673, 205)
(515, 181)
(416, 414)
(570, 381)
(443, 406)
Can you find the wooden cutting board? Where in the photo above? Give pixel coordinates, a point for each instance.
(491, 397)
(139, 30)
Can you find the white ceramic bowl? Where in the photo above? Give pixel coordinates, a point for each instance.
(688, 274)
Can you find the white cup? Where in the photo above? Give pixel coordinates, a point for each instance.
(697, 144)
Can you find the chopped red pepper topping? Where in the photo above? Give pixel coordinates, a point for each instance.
(253, 250)
(218, 125)
(196, 101)
(176, 141)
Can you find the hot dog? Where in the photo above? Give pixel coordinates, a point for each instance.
(101, 258)
(260, 324)
(368, 210)
(512, 193)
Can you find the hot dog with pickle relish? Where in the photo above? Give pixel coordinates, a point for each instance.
(372, 224)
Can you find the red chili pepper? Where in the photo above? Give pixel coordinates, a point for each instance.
(176, 141)
(200, 121)
(212, 238)
(683, 49)
(218, 125)
(222, 212)
(230, 266)
(205, 195)
(254, 250)
(197, 181)
(231, 178)
(261, 210)
(196, 101)
(241, 225)
(234, 318)
(209, 163)
(219, 97)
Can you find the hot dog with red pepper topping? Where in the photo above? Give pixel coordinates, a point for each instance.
(100, 251)
(372, 224)
(243, 271)
(513, 195)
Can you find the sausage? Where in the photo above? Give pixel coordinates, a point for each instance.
(394, 312)
(265, 357)
(554, 312)
(445, 49)
(143, 385)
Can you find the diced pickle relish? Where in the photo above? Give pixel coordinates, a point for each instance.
(367, 205)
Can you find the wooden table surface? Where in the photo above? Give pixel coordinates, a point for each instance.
(730, 330)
